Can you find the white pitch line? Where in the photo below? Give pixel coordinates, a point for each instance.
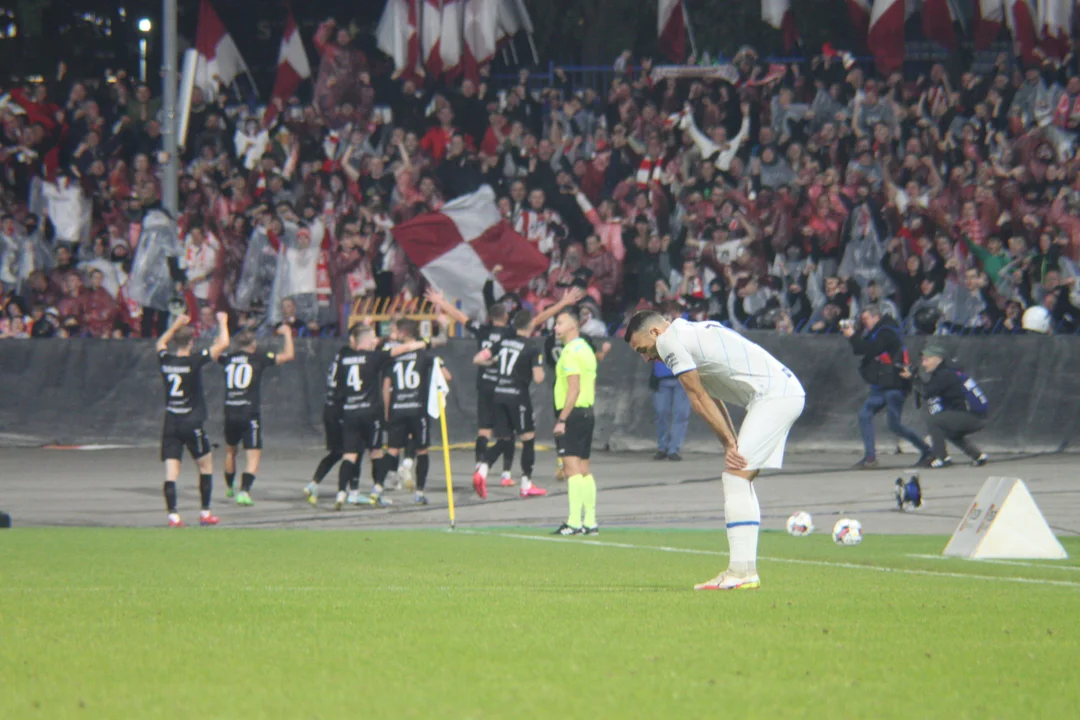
(992, 561)
(790, 561)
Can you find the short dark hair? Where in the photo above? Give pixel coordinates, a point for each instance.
(184, 336)
(642, 320)
(409, 328)
(498, 312)
(522, 320)
(244, 338)
(572, 311)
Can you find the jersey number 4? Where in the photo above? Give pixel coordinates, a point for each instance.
(238, 377)
(407, 377)
(353, 379)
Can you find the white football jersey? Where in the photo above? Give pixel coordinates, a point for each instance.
(732, 368)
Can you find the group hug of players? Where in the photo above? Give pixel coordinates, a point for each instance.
(376, 402)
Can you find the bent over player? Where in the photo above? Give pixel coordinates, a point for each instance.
(185, 411)
(714, 365)
(243, 406)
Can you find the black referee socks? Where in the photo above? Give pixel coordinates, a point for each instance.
(528, 456)
(170, 496)
(246, 481)
(206, 488)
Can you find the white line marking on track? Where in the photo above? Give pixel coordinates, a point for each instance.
(789, 561)
(991, 561)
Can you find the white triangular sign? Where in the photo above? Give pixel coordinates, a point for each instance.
(1004, 523)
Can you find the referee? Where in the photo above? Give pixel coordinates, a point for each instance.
(575, 394)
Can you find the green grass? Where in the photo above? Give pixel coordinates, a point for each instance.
(310, 624)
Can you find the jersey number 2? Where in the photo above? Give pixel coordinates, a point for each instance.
(176, 383)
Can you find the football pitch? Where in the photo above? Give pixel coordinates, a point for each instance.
(510, 622)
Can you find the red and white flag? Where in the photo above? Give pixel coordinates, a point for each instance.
(886, 35)
(672, 29)
(990, 16)
(450, 39)
(778, 14)
(457, 247)
(219, 60)
(1055, 23)
(859, 13)
(397, 34)
(481, 35)
(430, 34)
(293, 67)
(937, 22)
(1020, 18)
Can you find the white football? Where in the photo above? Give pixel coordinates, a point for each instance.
(847, 532)
(800, 524)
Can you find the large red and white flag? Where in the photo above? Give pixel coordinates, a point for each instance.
(1055, 24)
(457, 247)
(937, 22)
(397, 34)
(219, 60)
(293, 67)
(672, 29)
(1020, 18)
(450, 39)
(778, 14)
(886, 35)
(430, 34)
(990, 16)
(859, 13)
(481, 35)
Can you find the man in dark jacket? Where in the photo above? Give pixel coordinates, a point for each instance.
(956, 405)
(881, 346)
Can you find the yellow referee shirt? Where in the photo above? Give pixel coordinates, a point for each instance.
(577, 358)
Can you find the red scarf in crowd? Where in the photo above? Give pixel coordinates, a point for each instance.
(1067, 107)
(648, 172)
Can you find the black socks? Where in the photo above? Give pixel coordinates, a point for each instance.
(246, 481)
(230, 478)
(324, 466)
(528, 456)
(346, 473)
(423, 462)
(170, 496)
(481, 448)
(206, 488)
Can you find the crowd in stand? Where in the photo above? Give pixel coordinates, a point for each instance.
(764, 197)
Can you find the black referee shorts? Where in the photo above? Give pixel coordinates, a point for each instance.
(179, 433)
(514, 416)
(577, 441)
(485, 407)
(331, 418)
(360, 433)
(416, 427)
(244, 429)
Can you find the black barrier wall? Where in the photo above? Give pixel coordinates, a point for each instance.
(99, 391)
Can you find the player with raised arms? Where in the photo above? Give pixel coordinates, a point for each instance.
(185, 411)
(243, 405)
(717, 365)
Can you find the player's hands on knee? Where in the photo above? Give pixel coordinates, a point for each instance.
(733, 459)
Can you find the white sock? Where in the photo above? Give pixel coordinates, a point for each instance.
(204, 513)
(406, 463)
(743, 516)
(526, 483)
(482, 468)
(174, 517)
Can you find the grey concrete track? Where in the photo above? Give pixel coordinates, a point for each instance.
(122, 488)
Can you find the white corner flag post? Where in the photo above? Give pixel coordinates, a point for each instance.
(1004, 523)
(437, 409)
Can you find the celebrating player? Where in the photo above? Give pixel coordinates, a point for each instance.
(409, 380)
(487, 335)
(332, 430)
(185, 411)
(243, 382)
(517, 364)
(715, 365)
(358, 379)
(575, 394)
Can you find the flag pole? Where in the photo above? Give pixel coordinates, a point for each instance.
(446, 457)
(689, 29)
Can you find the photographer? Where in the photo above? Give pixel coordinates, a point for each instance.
(956, 403)
(881, 346)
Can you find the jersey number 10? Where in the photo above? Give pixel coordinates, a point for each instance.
(238, 377)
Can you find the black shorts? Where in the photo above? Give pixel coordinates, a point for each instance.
(360, 433)
(180, 432)
(402, 428)
(485, 407)
(244, 429)
(331, 418)
(514, 416)
(577, 442)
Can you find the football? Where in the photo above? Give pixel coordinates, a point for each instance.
(847, 532)
(800, 524)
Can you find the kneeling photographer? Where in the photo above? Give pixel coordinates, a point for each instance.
(956, 404)
(879, 342)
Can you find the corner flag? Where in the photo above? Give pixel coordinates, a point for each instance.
(437, 409)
